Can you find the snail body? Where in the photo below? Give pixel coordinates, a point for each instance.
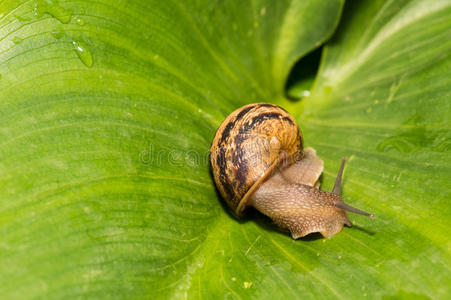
(257, 159)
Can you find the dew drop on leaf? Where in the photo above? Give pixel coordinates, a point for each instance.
(17, 40)
(52, 8)
(80, 21)
(83, 53)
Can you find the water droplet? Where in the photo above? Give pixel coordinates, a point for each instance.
(17, 40)
(52, 8)
(83, 53)
(58, 33)
(80, 21)
(233, 279)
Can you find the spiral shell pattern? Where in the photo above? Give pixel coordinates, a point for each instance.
(249, 145)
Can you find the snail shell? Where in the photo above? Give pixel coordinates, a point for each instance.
(249, 145)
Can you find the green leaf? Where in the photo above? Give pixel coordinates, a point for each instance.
(108, 111)
(382, 99)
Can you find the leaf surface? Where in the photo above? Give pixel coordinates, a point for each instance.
(108, 109)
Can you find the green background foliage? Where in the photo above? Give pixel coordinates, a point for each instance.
(108, 109)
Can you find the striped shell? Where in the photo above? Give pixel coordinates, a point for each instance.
(249, 145)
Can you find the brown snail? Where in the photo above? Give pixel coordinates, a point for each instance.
(258, 160)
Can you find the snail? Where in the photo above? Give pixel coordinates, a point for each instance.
(257, 159)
